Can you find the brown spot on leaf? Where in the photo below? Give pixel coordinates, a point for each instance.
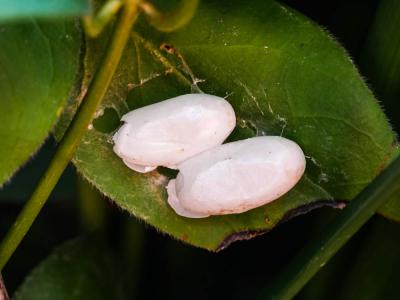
(267, 220)
(387, 157)
(158, 179)
(168, 48)
(395, 143)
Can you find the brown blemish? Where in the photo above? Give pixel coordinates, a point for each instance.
(387, 157)
(168, 48)
(395, 143)
(157, 179)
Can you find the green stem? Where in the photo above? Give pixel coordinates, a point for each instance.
(75, 132)
(95, 23)
(173, 20)
(317, 253)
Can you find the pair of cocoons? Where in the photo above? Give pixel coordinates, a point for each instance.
(186, 133)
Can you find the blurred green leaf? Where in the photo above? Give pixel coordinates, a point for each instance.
(381, 57)
(39, 64)
(92, 208)
(11, 10)
(381, 64)
(284, 76)
(25, 179)
(83, 268)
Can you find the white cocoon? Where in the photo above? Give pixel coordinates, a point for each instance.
(171, 131)
(236, 177)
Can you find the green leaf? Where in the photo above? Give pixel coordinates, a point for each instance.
(381, 64)
(381, 57)
(83, 268)
(11, 10)
(39, 64)
(283, 75)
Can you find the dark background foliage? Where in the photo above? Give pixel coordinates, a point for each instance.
(160, 267)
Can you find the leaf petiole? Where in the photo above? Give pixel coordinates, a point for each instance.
(94, 24)
(173, 20)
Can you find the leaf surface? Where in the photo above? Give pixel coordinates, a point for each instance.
(283, 75)
(39, 64)
(83, 268)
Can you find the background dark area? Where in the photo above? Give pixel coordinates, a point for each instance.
(168, 269)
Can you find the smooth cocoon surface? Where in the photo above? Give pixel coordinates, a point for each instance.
(236, 177)
(171, 131)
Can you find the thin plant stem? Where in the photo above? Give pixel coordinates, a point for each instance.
(75, 132)
(173, 20)
(95, 23)
(318, 252)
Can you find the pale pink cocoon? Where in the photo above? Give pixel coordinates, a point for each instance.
(171, 131)
(236, 177)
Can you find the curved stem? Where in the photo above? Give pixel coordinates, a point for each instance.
(75, 132)
(94, 24)
(172, 20)
(318, 252)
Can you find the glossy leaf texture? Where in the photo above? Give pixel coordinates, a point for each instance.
(283, 75)
(39, 64)
(11, 10)
(83, 268)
